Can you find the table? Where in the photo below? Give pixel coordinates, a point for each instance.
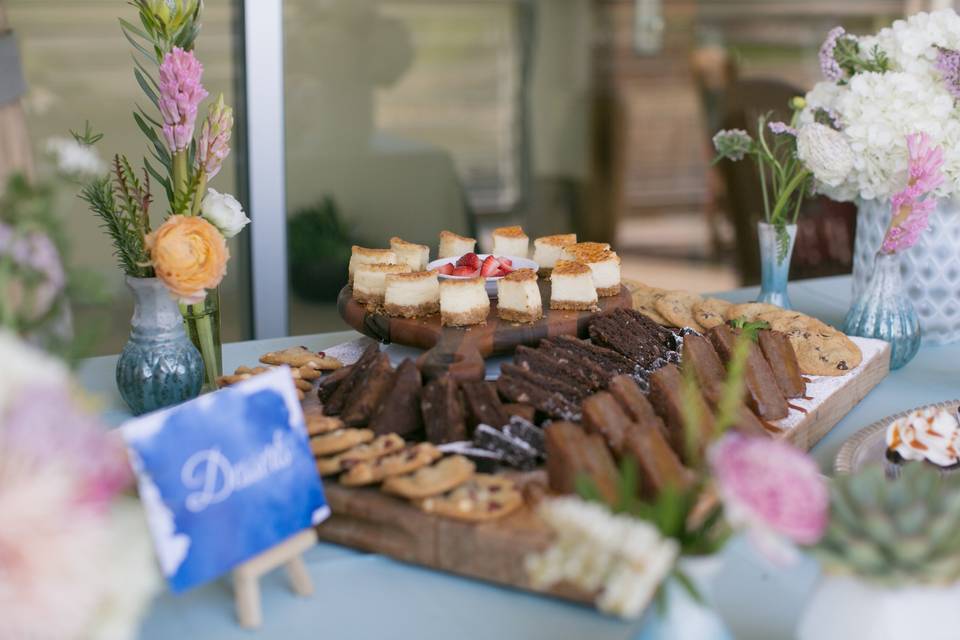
(368, 596)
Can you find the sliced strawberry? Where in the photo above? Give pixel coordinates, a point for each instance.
(446, 269)
(467, 272)
(506, 261)
(490, 267)
(471, 260)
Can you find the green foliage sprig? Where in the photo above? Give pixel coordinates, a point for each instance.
(852, 60)
(163, 26)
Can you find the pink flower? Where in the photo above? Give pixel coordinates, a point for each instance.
(180, 96)
(779, 128)
(911, 207)
(828, 63)
(771, 489)
(214, 145)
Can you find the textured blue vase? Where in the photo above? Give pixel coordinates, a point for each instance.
(884, 311)
(774, 272)
(159, 367)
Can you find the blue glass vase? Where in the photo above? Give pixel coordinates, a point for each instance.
(774, 266)
(884, 311)
(159, 366)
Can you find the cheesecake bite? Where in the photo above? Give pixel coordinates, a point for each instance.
(511, 242)
(571, 251)
(463, 302)
(370, 281)
(362, 255)
(548, 249)
(518, 297)
(453, 245)
(412, 295)
(572, 287)
(603, 263)
(415, 255)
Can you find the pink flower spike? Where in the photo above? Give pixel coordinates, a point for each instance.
(772, 490)
(910, 217)
(925, 164)
(214, 143)
(181, 93)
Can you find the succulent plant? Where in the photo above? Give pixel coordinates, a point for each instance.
(894, 532)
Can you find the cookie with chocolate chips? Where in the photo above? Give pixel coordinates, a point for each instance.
(482, 498)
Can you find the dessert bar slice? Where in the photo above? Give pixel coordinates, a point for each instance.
(516, 409)
(603, 414)
(366, 397)
(443, 411)
(782, 358)
(400, 410)
(483, 405)
(633, 400)
(513, 451)
(571, 453)
(543, 363)
(632, 334)
(555, 405)
(558, 384)
(668, 396)
(329, 383)
(334, 405)
(598, 374)
(763, 394)
(657, 464)
(606, 358)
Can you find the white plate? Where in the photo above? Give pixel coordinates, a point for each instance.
(869, 445)
(518, 263)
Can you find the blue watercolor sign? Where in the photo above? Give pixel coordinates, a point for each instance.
(225, 477)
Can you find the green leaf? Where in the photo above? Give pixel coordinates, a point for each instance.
(684, 581)
(141, 49)
(129, 26)
(147, 89)
(586, 488)
(162, 180)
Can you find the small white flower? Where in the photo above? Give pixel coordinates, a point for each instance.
(224, 212)
(825, 152)
(74, 158)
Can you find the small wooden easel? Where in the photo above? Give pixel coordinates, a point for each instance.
(246, 577)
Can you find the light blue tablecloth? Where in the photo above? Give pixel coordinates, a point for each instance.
(367, 596)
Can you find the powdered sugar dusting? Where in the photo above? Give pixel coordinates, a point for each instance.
(822, 387)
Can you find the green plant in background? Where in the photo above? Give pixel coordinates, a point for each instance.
(895, 533)
(319, 245)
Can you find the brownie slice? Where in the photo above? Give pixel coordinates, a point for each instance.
(443, 411)
(603, 414)
(599, 374)
(632, 399)
(366, 397)
(632, 334)
(556, 384)
(657, 464)
(555, 405)
(667, 395)
(526, 411)
(544, 364)
(782, 359)
(483, 405)
(329, 383)
(749, 424)
(606, 358)
(763, 394)
(700, 356)
(400, 411)
(572, 453)
(358, 372)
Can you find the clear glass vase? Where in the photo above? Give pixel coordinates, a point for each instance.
(884, 311)
(202, 322)
(775, 264)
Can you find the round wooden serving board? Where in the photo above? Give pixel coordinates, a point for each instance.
(461, 350)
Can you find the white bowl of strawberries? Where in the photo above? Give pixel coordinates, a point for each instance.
(471, 265)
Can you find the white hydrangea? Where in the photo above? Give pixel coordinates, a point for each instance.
(877, 111)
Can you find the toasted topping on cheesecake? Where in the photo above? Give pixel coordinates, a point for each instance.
(521, 275)
(511, 242)
(452, 244)
(515, 231)
(362, 255)
(569, 268)
(572, 286)
(548, 249)
(604, 263)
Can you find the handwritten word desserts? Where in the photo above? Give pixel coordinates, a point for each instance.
(929, 434)
(463, 302)
(362, 255)
(412, 295)
(572, 287)
(510, 241)
(604, 265)
(548, 249)
(370, 281)
(453, 245)
(518, 297)
(416, 256)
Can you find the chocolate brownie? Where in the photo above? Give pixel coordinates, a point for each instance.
(669, 397)
(558, 384)
(400, 410)
(632, 334)
(329, 383)
(763, 395)
(358, 372)
(603, 414)
(782, 358)
(606, 358)
(544, 364)
(573, 453)
(598, 373)
(657, 464)
(554, 405)
(525, 411)
(632, 399)
(483, 405)
(442, 409)
(366, 397)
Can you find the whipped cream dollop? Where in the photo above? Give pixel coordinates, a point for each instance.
(926, 434)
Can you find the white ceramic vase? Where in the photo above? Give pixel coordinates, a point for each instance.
(686, 618)
(930, 269)
(843, 608)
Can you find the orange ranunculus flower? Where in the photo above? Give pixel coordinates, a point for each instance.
(189, 255)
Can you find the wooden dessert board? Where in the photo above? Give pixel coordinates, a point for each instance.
(370, 520)
(462, 350)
